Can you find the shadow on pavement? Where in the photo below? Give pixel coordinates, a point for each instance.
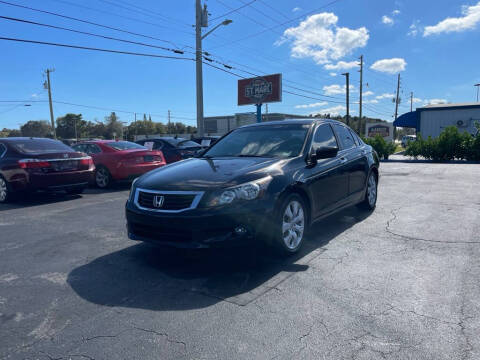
(146, 277)
(30, 199)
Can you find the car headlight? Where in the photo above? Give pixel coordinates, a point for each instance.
(248, 191)
(132, 189)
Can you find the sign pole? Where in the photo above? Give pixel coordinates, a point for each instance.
(259, 113)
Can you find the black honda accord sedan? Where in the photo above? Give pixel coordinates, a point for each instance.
(261, 182)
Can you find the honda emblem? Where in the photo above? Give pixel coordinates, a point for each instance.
(158, 201)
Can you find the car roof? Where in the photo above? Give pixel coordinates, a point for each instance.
(306, 121)
(23, 138)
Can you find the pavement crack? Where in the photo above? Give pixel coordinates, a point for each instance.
(165, 335)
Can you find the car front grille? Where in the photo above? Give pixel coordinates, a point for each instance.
(167, 201)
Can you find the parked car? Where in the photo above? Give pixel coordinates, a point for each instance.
(206, 141)
(120, 160)
(30, 164)
(174, 149)
(267, 181)
(407, 138)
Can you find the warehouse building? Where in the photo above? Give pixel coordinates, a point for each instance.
(219, 125)
(431, 120)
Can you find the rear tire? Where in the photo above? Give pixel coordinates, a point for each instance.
(6, 194)
(290, 225)
(103, 178)
(370, 201)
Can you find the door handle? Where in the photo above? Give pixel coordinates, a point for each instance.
(343, 160)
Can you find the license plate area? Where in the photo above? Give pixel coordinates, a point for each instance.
(65, 165)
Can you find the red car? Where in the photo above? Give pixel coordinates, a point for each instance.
(29, 164)
(119, 160)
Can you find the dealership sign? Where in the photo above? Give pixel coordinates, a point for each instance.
(385, 130)
(260, 90)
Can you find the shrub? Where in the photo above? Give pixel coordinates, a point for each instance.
(383, 148)
(450, 145)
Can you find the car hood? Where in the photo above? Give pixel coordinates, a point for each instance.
(207, 174)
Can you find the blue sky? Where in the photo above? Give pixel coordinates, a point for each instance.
(432, 44)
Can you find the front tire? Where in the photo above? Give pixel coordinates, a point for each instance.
(291, 225)
(102, 177)
(370, 201)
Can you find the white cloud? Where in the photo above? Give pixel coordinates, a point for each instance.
(387, 20)
(333, 111)
(385, 96)
(368, 93)
(34, 95)
(390, 66)
(435, 101)
(318, 37)
(414, 29)
(336, 89)
(333, 74)
(469, 20)
(395, 12)
(307, 106)
(416, 100)
(295, 9)
(373, 101)
(341, 65)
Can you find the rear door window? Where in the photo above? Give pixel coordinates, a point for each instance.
(3, 150)
(345, 137)
(93, 149)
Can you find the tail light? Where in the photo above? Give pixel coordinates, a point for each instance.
(86, 161)
(33, 164)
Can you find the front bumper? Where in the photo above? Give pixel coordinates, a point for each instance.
(199, 228)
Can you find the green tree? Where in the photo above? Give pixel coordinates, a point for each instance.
(113, 126)
(14, 133)
(6, 132)
(40, 128)
(71, 126)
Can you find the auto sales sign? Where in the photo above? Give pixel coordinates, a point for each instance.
(260, 90)
(385, 130)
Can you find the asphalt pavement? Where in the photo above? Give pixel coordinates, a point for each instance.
(399, 283)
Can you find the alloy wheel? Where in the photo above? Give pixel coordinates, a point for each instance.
(3, 190)
(293, 224)
(102, 177)
(372, 190)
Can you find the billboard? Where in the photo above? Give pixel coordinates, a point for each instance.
(260, 90)
(385, 130)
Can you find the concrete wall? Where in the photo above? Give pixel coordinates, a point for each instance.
(433, 122)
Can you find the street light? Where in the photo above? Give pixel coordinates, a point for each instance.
(478, 86)
(202, 21)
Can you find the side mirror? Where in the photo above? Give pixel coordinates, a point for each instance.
(323, 153)
(326, 152)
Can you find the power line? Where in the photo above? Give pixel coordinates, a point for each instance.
(120, 16)
(234, 10)
(96, 49)
(88, 22)
(92, 34)
(262, 13)
(278, 25)
(273, 9)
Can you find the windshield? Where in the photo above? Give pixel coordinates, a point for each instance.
(33, 146)
(263, 141)
(125, 145)
(187, 144)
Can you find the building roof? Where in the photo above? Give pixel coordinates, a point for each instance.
(450, 106)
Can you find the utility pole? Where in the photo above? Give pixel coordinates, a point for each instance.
(200, 22)
(397, 101)
(49, 87)
(411, 101)
(478, 86)
(135, 137)
(361, 96)
(347, 76)
(168, 117)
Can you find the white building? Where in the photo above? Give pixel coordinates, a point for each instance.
(431, 120)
